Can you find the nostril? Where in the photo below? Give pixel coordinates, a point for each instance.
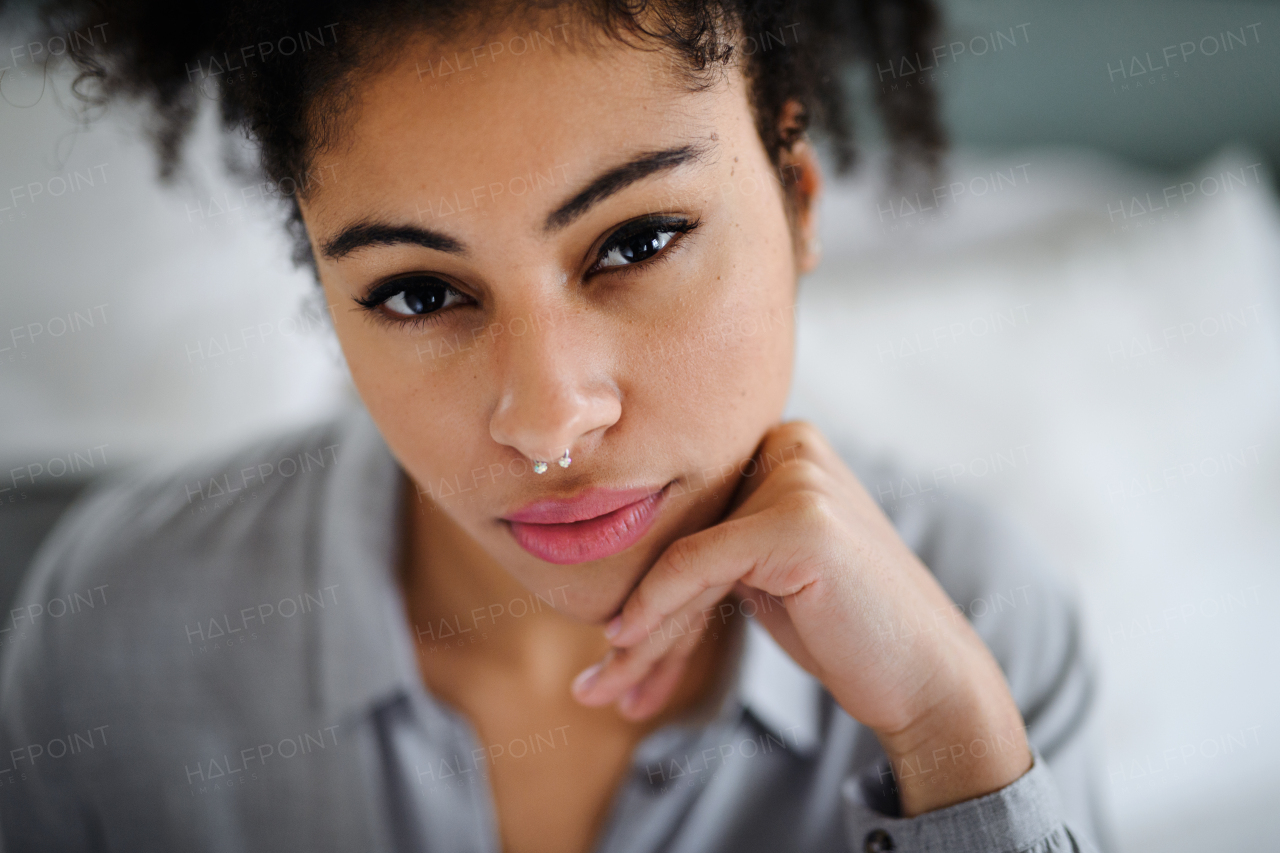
(544, 415)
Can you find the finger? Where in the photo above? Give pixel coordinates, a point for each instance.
(784, 445)
(624, 668)
(654, 691)
(754, 549)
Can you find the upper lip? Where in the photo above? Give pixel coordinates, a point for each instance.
(591, 503)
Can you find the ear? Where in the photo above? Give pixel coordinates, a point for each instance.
(802, 182)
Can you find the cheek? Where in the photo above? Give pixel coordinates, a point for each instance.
(422, 401)
(718, 373)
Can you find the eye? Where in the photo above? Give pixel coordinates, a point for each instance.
(640, 241)
(413, 296)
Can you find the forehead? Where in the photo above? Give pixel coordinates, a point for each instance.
(510, 110)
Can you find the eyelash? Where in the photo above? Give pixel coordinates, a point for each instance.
(654, 224)
(681, 226)
(387, 290)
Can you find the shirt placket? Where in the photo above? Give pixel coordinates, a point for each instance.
(668, 772)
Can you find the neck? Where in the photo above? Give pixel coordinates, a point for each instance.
(460, 597)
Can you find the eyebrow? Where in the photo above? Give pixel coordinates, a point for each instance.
(620, 177)
(366, 234)
(379, 234)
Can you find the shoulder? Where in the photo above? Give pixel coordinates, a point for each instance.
(140, 582)
(177, 514)
(181, 613)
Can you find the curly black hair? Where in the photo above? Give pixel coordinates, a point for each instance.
(302, 54)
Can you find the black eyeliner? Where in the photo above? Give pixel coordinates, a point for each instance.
(380, 293)
(678, 224)
(681, 225)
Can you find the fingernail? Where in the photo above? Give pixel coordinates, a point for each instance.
(615, 625)
(587, 678)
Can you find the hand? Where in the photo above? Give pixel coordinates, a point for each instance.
(835, 586)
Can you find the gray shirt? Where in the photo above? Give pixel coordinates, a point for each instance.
(217, 658)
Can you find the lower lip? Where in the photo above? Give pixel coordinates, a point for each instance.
(592, 538)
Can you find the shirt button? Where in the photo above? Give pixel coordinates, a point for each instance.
(878, 841)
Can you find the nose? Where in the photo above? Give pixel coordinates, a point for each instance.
(554, 390)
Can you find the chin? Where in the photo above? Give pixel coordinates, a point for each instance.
(595, 592)
(591, 592)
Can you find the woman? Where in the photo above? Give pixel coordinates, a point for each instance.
(504, 604)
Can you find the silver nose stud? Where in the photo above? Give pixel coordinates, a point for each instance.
(540, 467)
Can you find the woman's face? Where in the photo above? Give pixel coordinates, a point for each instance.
(565, 249)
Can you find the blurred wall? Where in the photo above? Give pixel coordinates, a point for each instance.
(1158, 82)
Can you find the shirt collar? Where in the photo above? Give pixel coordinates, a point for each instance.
(365, 656)
(778, 692)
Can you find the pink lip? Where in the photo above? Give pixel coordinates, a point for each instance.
(596, 524)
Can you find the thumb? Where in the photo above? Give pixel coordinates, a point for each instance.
(771, 612)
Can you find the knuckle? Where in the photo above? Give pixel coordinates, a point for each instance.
(802, 429)
(802, 435)
(806, 470)
(812, 515)
(809, 507)
(681, 557)
(797, 476)
(686, 557)
(793, 577)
